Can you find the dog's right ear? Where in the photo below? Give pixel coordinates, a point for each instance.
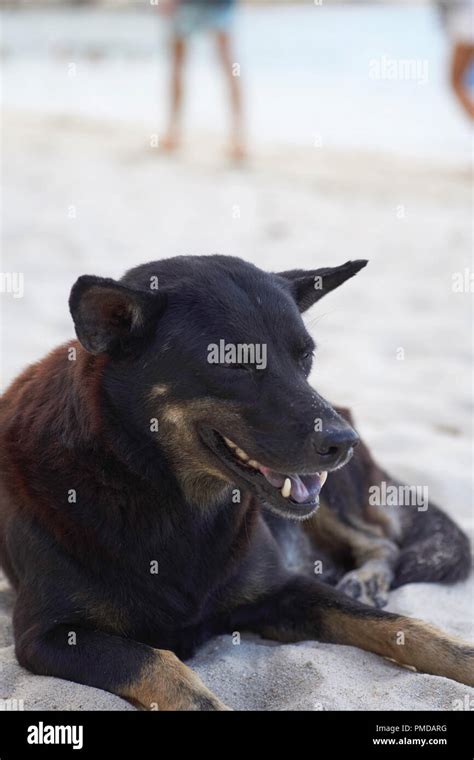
(109, 316)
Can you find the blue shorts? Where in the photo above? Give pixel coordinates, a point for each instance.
(189, 18)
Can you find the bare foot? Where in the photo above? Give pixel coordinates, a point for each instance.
(237, 151)
(169, 142)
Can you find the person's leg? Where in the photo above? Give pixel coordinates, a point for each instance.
(236, 137)
(172, 135)
(461, 57)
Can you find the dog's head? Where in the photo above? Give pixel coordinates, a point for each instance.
(209, 358)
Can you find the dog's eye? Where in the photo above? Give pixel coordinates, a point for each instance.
(306, 360)
(234, 365)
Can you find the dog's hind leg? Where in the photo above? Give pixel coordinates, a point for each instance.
(306, 609)
(433, 548)
(150, 678)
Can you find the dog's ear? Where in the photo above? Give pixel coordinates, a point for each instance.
(307, 287)
(108, 316)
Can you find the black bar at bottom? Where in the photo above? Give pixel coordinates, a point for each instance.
(135, 734)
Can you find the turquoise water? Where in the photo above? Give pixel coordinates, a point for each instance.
(363, 77)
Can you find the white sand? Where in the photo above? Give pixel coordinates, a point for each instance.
(287, 208)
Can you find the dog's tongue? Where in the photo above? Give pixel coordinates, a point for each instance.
(303, 487)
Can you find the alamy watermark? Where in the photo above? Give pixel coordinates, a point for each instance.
(252, 354)
(42, 733)
(11, 704)
(399, 69)
(392, 495)
(463, 282)
(12, 282)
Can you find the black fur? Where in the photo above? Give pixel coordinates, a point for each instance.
(93, 495)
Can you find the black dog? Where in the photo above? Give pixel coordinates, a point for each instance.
(145, 472)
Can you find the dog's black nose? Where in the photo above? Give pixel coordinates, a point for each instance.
(333, 446)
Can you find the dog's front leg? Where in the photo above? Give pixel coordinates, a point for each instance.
(305, 609)
(152, 678)
(373, 575)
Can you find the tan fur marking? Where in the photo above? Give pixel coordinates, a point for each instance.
(161, 389)
(202, 478)
(175, 414)
(407, 641)
(168, 684)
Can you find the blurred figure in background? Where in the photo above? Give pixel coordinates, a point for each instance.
(458, 18)
(187, 17)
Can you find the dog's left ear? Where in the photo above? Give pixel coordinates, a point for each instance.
(307, 287)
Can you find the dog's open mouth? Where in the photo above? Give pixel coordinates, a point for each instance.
(292, 495)
(301, 489)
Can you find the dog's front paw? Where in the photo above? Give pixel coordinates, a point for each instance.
(202, 701)
(187, 700)
(192, 695)
(370, 588)
(168, 684)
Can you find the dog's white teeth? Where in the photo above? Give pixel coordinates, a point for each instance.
(322, 477)
(241, 454)
(286, 488)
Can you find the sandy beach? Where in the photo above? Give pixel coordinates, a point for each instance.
(84, 198)
(382, 174)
